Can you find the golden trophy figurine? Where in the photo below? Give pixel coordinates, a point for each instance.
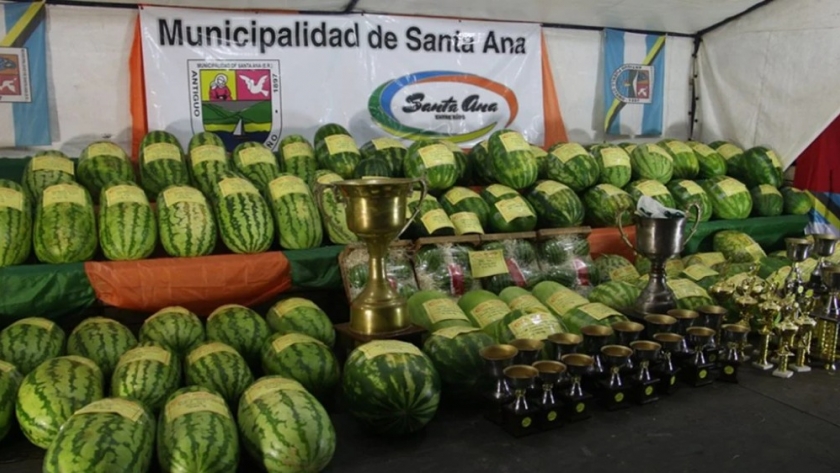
(746, 308)
(806, 326)
(787, 330)
(768, 311)
(722, 292)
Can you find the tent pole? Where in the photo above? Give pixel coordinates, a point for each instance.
(692, 113)
(733, 17)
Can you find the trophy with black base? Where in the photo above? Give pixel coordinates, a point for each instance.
(627, 332)
(594, 338)
(612, 392)
(665, 370)
(564, 344)
(575, 401)
(550, 373)
(519, 417)
(642, 382)
(734, 337)
(496, 359)
(695, 371)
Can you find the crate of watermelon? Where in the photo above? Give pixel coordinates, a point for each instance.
(353, 263)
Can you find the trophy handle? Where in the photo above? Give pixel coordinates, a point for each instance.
(423, 191)
(696, 222)
(618, 219)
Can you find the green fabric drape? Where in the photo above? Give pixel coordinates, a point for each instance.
(50, 291)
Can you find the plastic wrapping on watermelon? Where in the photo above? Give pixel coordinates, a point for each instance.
(397, 267)
(445, 267)
(520, 258)
(565, 259)
(650, 208)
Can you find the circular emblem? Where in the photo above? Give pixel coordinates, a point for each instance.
(619, 397)
(673, 380)
(712, 358)
(702, 374)
(729, 370)
(526, 422)
(648, 390)
(580, 407)
(552, 416)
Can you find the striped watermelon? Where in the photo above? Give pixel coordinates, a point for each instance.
(556, 205)
(372, 167)
(528, 323)
(737, 247)
(688, 294)
(434, 310)
(541, 156)
(731, 200)
(389, 149)
(463, 162)
(127, 225)
(454, 352)
(484, 309)
(615, 294)
(431, 220)
(175, 328)
(148, 374)
(284, 428)
(673, 266)
(219, 368)
(196, 432)
(445, 267)
(295, 213)
(46, 168)
(732, 155)
(558, 299)
(710, 163)
(111, 434)
(304, 359)
(762, 166)
(256, 162)
(336, 150)
(518, 298)
(333, 210)
(461, 200)
(797, 202)
(650, 161)
(16, 224)
(628, 147)
(102, 162)
(31, 341)
(52, 392)
(433, 161)
(241, 328)
(686, 193)
(521, 261)
(686, 164)
(208, 160)
(162, 163)
(616, 268)
(102, 340)
(185, 222)
(605, 202)
(653, 189)
(480, 157)
(509, 212)
(613, 164)
(10, 379)
(299, 315)
(295, 156)
(243, 216)
(65, 225)
(391, 387)
(767, 201)
(572, 165)
(511, 160)
(593, 313)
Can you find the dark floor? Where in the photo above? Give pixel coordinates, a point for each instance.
(764, 424)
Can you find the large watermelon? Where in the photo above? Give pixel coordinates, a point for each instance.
(433, 161)
(219, 368)
(483, 166)
(127, 225)
(112, 434)
(256, 162)
(463, 162)
(527, 324)
(102, 162)
(688, 294)
(296, 157)
(208, 161)
(650, 161)
(10, 379)
(767, 201)
(686, 193)
(737, 247)
(650, 188)
(431, 219)
(616, 268)
(710, 163)
(509, 212)
(369, 168)
(614, 165)
(511, 160)
(618, 295)
(558, 299)
(241, 328)
(483, 308)
(333, 210)
(243, 216)
(732, 155)
(65, 225)
(52, 392)
(686, 165)
(175, 328)
(522, 265)
(572, 165)
(162, 163)
(295, 213)
(185, 222)
(299, 315)
(434, 310)
(522, 299)
(284, 428)
(605, 202)
(461, 200)
(31, 341)
(593, 313)
(196, 432)
(762, 166)
(454, 352)
(148, 373)
(556, 205)
(731, 200)
(335, 150)
(797, 202)
(389, 149)
(45, 169)
(391, 387)
(304, 359)
(102, 340)
(541, 156)
(15, 224)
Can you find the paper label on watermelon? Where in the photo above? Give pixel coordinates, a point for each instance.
(623, 273)
(684, 288)
(297, 150)
(729, 187)
(729, 151)
(158, 151)
(6, 367)
(651, 188)
(452, 332)
(550, 188)
(774, 159)
(64, 194)
(701, 149)
(610, 190)
(128, 409)
(568, 151)
(105, 149)
(658, 150)
(36, 322)
(499, 190)
(340, 144)
(435, 219)
(285, 185)
(564, 300)
(767, 189)
(614, 157)
(489, 311)
(466, 222)
(284, 307)
(487, 263)
(266, 386)
(85, 361)
(436, 155)
(11, 198)
(209, 349)
(385, 143)
(691, 187)
(281, 343)
(535, 326)
(187, 195)
(526, 302)
(256, 155)
(679, 147)
(538, 152)
(156, 354)
(204, 153)
(440, 310)
(388, 347)
(125, 195)
(451, 146)
(190, 403)
(177, 310)
(513, 141)
(699, 271)
(52, 163)
(511, 209)
(599, 311)
(457, 194)
(236, 185)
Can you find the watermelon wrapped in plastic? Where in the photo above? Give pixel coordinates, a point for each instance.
(397, 268)
(565, 259)
(520, 260)
(444, 267)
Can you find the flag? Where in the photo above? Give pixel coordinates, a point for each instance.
(634, 82)
(24, 105)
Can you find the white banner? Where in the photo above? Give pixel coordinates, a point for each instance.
(262, 76)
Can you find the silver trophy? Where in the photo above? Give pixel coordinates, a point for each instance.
(797, 251)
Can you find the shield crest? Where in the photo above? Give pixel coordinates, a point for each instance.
(14, 75)
(633, 83)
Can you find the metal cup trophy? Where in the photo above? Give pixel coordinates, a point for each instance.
(685, 319)
(550, 373)
(722, 292)
(529, 351)
(643, 382)
(696, 371)
(746, 308)
(767, 313)
(787, 332)
(519, 415)
(666, 370)
(627, 332)
(712, 316)
(564, 344)
(613, 391)
(658, 239)
(824, 246)
(496, 359)
(576, 401)
(734, 336)
(659, 323)
(594, 338)
(797, 251)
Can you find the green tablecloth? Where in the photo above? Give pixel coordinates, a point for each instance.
(50, 291)
(316, 268)
(769, 232)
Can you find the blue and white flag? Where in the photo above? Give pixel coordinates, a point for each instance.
(24, 106)
(634, 83)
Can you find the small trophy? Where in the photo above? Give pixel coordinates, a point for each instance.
(496, 359)
(696, 370)
(712, 316)
(564, 344)
(659, 323)
(787, 331)
(529, 351)
(595, 337)
(575, 400)
(768, 311)
(627, 332)
(803, 343)
(734, 337)
(519, 415)
(797, 251)
(722, 292)
(685, 319)
(824, 245)
(746, 308)
(613, 391)
(671, 343)
(550, 373)
(643, 383)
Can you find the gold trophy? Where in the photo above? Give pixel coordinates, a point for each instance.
(824, 245)
(787, 330)
(768, 311)
(746, 307)
(803, 343)
(827, 320)
(797, 251)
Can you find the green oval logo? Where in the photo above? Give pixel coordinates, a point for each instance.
(552, 416)
(526, 422)
(580, 407)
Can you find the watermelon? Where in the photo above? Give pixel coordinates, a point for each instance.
(239, 327)
(284, 428)
(593, 313)
(628, 147)
(556, 205)
(509, 212)
(196, 432)
(431, 220)
(731, 200)
(527, 324)
(563, 248)
(372, 167)
(484, 309)
(148, 373)
(565, 259)
(433, 161)
(541, 156)
(604, 204)
(732, 155)
(208, 161)
(175, 328)
(737, 247)
(295, 213)
(688, 294)
(454, 352)
(558, 299)
(444, 267)
(333, 210)
(511, 160)
(46, 168)
(700, 274)
(463, 162)
(572, 165)
(686, 164)
(16, 224)
(52, 392)
(673, 266)
(653, 189)
(256, 162)
(650, 161)
(185, 222)
(521, 260)
(613, 165)
(762, 166)
(767, 201)
(706, 259)
(10, 379)
(434, 310)
(295, 156)
(304, 359)
(31, 341)
(162, 163)
(111, 434)
(686, 193)
(391, 387)
(102, 340)
(100, 163)
(299, 315)
(518, 298)
(388, 149)
(243, 216)
(796, 201)
(219, 368)
(64, 230)
(336, 150)
(615, 294)
(473, 213)
(480, 157)
(615, 268)
(127, 225)
(710, 163)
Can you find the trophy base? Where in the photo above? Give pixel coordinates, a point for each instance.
(575, 408)
(645, 392)
(667, 381)
(520, 424)
(697, 375)
(784, 374)
(549, 417)
(762, 366)
(614, 399)
(375, 314)
(728, 372)
(801, 369)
